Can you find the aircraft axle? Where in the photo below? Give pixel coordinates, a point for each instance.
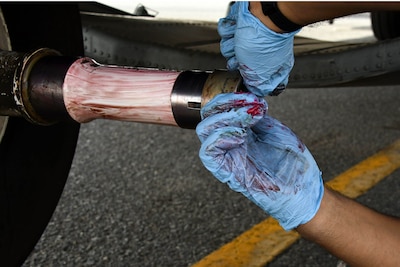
(45, 88)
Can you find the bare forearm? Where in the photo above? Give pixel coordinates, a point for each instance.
(356, 234)
(304, 13)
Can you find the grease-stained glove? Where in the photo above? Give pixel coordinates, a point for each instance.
(263, 57)
(260, 157)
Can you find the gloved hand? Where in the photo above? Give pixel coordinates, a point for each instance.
(260, 157)
(263, 57)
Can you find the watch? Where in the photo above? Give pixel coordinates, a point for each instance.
(271, 10)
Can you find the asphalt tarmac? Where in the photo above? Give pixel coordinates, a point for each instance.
(137, 194)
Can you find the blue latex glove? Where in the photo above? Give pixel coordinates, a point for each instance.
(263, 57)
(260, 157)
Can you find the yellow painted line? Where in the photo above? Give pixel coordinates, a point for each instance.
(363, 176)
(266, 240)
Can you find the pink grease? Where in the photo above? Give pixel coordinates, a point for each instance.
(256, 108)
(93, 91)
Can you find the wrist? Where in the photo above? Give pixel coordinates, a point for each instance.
(271, 15)
(323, 220)
(256, 9)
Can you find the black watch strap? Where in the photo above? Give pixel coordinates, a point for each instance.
(271, 10)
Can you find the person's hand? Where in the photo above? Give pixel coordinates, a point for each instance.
(263, 57)
(260, 157)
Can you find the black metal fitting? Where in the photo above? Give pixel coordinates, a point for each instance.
(192, 90)
(31, 85)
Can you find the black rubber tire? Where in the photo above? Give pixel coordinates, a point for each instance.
(35, 160)
(385, 24)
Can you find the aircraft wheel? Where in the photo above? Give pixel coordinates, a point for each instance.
(385, 24)
(34, 160)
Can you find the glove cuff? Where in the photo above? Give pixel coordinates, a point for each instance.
(271, 10)
(310, 205)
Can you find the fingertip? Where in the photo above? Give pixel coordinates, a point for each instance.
(226, 48)
(217, 145)
(232, 63)
(226, 27)
(256, 89)
(233, 101)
